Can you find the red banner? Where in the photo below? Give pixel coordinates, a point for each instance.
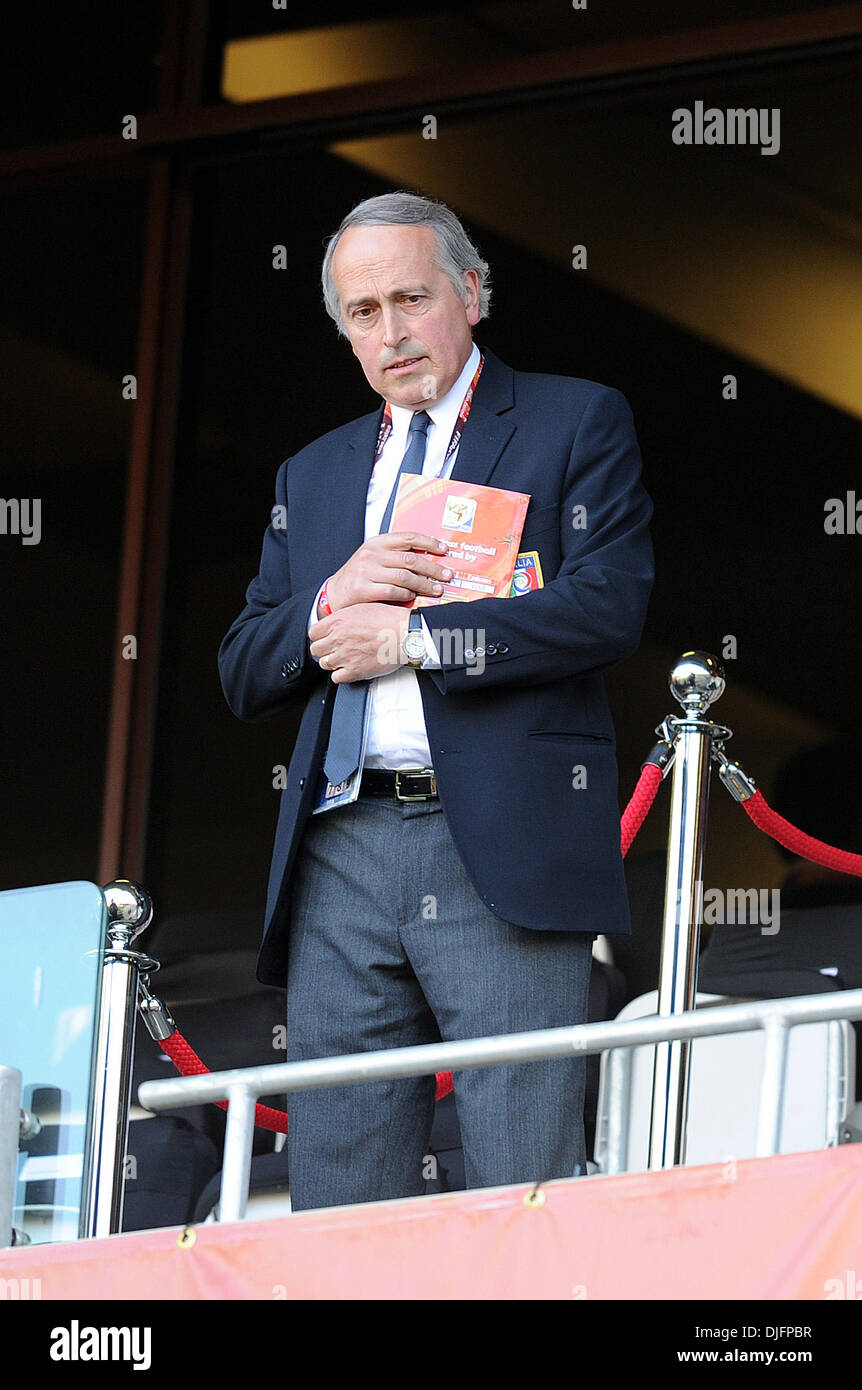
(786, 1227)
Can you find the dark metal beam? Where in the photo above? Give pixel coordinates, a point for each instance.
(184, 124)
(134, 690)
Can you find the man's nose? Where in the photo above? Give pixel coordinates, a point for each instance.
(395, 328)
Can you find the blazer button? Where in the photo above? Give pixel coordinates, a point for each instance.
(491, 649)
(301, 783)
(469, 653)
(502, 647)
(480, 651)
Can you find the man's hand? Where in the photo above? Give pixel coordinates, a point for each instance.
(360, 642)
(389, 569)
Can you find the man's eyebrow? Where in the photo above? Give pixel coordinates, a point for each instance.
(368, 299)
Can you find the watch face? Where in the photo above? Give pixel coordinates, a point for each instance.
(414, 646)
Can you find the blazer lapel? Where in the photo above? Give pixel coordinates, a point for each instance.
(488, 430)
(357, 465)
(346, 484)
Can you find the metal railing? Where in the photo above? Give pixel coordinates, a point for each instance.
(242, 1086)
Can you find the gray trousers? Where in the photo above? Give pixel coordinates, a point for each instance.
(391, 945)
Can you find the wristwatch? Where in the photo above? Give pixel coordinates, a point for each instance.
(414, 641)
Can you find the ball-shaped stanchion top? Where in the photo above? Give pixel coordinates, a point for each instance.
(130, 907)
(696, 680)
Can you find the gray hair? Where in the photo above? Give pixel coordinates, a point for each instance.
(455, 251)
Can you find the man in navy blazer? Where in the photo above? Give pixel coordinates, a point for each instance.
(521, 863)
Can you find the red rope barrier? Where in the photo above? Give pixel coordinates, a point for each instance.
(797, 841)
(641, 800)
(188, 1063)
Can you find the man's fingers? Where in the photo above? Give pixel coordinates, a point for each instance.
(392, 593)
(320, 647)
(406, 563)
(423, 565)
(406, 591)
(413, 540)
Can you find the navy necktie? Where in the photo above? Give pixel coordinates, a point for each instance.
(348, 714)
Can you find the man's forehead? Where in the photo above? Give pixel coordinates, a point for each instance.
(382, 250)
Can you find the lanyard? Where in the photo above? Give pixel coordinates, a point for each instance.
(463, 414)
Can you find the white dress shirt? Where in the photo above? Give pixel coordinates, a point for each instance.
(396, 732)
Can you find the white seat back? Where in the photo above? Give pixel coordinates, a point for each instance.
(725, 1090)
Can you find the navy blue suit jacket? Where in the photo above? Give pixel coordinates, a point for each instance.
(506, 741)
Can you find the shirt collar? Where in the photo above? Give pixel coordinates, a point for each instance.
(444, 412)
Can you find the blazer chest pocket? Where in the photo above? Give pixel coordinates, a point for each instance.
(570, 736)
(540, 522)
(542, 533)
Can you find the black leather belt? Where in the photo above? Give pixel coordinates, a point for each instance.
(408, 784)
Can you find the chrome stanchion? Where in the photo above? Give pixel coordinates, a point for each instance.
(130, 911)
(696, 681)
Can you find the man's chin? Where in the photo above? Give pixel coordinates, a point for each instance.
(416, 393)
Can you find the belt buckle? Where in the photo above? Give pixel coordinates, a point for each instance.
(420, 772)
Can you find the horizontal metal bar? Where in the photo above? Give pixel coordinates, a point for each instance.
(389, 1064)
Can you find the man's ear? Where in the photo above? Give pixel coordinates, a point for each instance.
(471, 285)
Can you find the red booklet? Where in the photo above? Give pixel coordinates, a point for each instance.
(483, 526)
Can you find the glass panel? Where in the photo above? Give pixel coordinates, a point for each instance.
(51, 943)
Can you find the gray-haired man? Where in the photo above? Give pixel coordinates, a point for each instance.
(459, 895)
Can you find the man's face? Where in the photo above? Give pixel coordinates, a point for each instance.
(399, 308)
